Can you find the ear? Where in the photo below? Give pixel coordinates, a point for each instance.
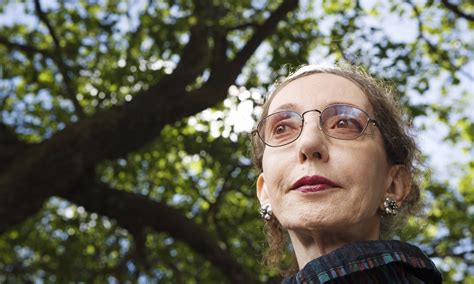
(400, 185)
(262, 191)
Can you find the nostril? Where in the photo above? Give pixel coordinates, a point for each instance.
(317, 155)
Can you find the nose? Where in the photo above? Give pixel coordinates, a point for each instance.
(312, 142)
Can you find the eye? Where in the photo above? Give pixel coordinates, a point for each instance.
(280, 129)
(284, 129)
(348, 123)
(344, 123)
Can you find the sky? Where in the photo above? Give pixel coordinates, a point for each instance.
(445, 159)
(442, 155)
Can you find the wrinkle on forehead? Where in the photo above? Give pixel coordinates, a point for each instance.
(317, 91)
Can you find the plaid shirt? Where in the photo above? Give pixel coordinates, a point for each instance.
(370, 262)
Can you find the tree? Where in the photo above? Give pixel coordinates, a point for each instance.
(117, 156)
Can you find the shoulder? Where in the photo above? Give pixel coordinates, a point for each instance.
(378, 261)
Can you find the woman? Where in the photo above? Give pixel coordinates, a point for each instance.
(337, 171)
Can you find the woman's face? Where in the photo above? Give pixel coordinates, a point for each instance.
(358, 168)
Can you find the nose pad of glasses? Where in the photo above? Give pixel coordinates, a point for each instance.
(312, 131)
(316, 119)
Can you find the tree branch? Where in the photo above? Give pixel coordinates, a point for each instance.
(224, 73)
(44, 19)
(432, 47)
(260, 33)
(7, 136)
(194, 57)
(9, 145)
(69, 86)
(243, 26)
(455, 9)
(139, 240)
(130, 209)
(50, 168)
(25, 48)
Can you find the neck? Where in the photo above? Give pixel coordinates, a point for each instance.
(313, 244)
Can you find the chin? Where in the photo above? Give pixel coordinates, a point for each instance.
(306, 222)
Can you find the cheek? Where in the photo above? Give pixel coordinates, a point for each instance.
(369, 177)
(274, 168)
(379, 172)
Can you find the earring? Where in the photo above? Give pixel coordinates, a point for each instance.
(390, 207)
(266, 212)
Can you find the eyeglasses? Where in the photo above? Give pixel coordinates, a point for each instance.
(338, 121)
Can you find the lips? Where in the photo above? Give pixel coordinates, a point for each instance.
(313, 184)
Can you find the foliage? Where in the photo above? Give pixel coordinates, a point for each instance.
(155, 99)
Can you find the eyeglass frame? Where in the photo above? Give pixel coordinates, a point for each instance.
(369, 121)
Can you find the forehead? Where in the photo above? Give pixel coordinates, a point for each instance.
(316, 91)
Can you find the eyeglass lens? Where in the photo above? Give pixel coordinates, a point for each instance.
(337, 121)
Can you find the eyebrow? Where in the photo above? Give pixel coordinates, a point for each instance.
(288, 106)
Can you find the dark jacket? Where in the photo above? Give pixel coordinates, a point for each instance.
(370, 262)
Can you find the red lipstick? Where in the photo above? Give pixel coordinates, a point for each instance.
(313, 184)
